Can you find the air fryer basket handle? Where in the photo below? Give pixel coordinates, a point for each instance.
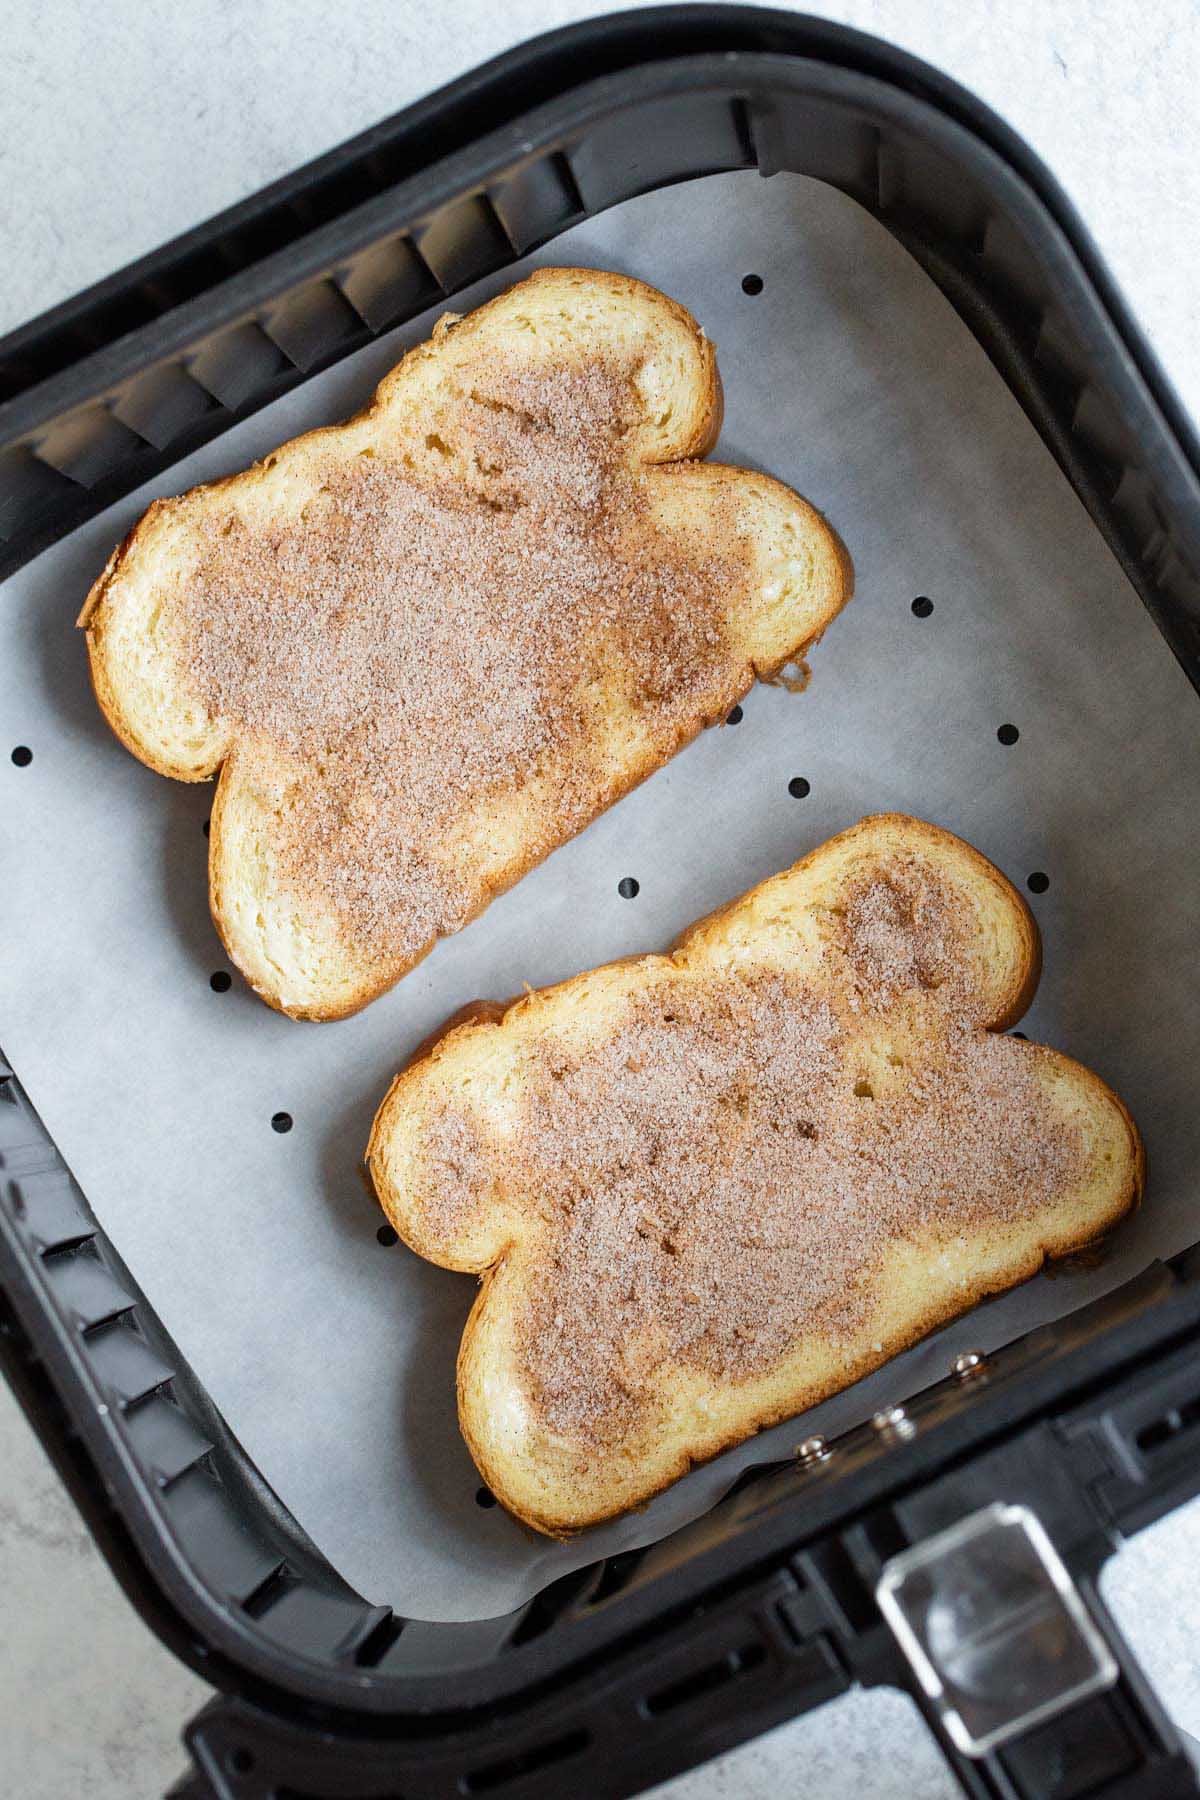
(1082, 1718)
(1117, 1745)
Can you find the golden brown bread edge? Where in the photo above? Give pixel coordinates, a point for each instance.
(710, 416)
(1008, 1011)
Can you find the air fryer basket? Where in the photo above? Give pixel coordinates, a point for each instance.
(625, 1672)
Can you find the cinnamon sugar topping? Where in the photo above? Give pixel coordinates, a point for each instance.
(899, 930)
(421, 643)
(722, 1173)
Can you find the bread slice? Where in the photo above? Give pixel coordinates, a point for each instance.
(706, 1190)
(428, 645)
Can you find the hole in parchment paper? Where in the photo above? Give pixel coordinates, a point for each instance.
(220, 982)
(281, 1121)
(735, 717)
(22, 756)
(484, 1497)
(1008, 734)
(1019, 1034)
(752, 284)
(205, 826)
(1037, 882)
(628, 888)
(922, 606)
(387, 1235)
(798, 788)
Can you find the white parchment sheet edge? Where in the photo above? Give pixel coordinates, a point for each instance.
(331, 1356)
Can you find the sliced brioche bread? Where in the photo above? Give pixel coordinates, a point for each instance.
(426, 646)
(708, 1189)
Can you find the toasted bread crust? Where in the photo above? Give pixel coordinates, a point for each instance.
(356, 971)
(541, 1488)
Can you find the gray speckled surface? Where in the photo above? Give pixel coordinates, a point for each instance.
(90, 1702)
(119, 128)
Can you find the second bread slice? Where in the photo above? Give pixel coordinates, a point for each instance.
(706, 1190)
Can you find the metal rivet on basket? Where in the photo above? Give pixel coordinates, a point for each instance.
(893, 1421)
(813, 1450)
(968, 1363)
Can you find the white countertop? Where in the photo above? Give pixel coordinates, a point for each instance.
(119, 129)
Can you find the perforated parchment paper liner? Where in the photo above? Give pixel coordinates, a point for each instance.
(332, 1355)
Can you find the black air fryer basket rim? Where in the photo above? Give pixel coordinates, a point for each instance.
(686, 48)
(498, 93)
(757, 60)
